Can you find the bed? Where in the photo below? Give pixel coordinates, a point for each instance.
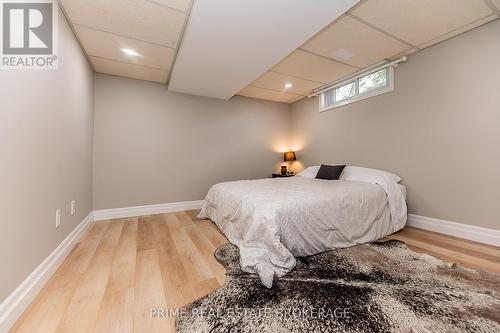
(272, 221)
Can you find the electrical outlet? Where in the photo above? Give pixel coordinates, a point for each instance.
(58, 218)
(73, 207)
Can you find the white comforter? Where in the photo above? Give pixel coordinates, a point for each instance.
(273, 220)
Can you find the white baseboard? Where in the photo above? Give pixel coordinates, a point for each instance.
(470, 232)
(117, 213)
(15, 304)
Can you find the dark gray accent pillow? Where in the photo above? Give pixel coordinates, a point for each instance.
(330, 172)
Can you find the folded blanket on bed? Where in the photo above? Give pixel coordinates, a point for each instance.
(273, 220)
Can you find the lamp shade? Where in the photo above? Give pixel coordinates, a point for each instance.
(289, 156)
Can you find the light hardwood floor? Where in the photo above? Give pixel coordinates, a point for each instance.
(123, 268)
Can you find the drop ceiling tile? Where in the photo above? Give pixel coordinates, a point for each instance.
(459, 31)
(268, 95)
(313, 67)
(107, 45)
(367, 45)
(277, 81)
(144, 20)
(128, 70)
(181, 5)
(417, 22)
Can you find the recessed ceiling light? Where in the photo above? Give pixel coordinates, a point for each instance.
(343, 54)
(288, 85)
(131, 52)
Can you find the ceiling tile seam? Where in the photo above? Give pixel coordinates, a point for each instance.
(262, 99)
(179, 41)
(285, 92)
(294, 76)
(325, 57)
(72, 27)
(129, 78)
(328, 26)
(298, 98)
(454, 30)
(129, 63)
(166, 6)
(125, 36)
(417, 48)
(492, 6)
(360, 20)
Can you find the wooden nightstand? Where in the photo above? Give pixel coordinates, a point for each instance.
(279, 175)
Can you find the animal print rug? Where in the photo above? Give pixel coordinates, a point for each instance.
(378, 287)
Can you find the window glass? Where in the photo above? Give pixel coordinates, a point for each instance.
(373, 81)
(328, 98)
(344, 92)
(358, 88)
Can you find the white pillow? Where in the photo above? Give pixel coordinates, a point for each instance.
(355, 173)
(310, 172)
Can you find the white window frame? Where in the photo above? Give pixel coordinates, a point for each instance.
(357, 96)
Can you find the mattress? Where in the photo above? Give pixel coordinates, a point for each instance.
(272, 221)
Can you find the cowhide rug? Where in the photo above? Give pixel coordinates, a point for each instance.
(380, 287)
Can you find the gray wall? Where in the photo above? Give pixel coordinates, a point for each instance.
(46, 120)
(439, 130)
(153, 146)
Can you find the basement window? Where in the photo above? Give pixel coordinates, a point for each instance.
(365, 85)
